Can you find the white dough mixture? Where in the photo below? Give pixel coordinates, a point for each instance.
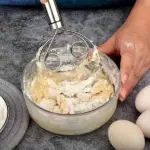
(80, 90)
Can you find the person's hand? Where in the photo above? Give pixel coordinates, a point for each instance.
(132, 43)
(43, 1)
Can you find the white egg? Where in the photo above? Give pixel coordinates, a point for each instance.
(142, 101)
(144, 123)
(125, 135)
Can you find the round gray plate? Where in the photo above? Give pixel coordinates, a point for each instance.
(18, 117)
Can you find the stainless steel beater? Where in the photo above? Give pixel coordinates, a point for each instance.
(55, 21)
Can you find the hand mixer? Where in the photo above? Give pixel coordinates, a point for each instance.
(55, 21)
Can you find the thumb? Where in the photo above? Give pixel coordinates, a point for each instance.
(109, 47)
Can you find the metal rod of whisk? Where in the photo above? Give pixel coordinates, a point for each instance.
(53, 14)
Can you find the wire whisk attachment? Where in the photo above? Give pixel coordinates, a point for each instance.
(78, 49)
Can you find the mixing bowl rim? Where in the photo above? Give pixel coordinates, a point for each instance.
(70, 115)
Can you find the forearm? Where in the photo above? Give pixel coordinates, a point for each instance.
(141, 11)
(145, 2)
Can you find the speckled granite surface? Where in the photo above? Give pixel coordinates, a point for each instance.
(21, 32)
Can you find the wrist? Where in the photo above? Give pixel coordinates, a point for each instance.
(144, 2)
(141, 12)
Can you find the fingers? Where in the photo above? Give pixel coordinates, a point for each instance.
(43, 1)
(133, 67)
(109, 47)
(138, 69)
(133, 79)
(127, 62)
(127, 65)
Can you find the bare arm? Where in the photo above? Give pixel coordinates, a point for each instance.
(132, 43)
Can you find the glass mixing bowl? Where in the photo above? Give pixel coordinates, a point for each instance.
(73, 124)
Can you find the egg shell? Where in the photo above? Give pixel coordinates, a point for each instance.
(144, 123)
(125, 135)
(142, 101)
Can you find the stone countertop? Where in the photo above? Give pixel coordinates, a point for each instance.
(22, 30)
